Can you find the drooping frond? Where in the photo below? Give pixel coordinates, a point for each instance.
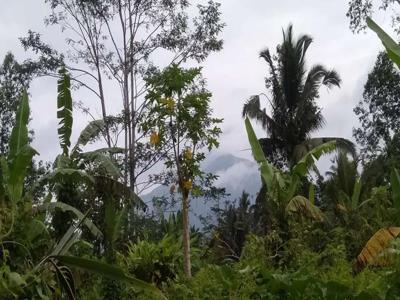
(58, 205)
(305, 147)
(104, 163)
(316, 76)
(91, 132)
(64, 110)
(252, 109)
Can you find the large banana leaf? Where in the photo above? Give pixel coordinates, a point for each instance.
(17, 171)
(372, 251)
(20, 153)
(341, 144)
(60, 174)
(119, 190)
(89, 133)
(19, 135)
(392, 48)
(105, 163)
(64, 110)
(302, 167)
(395, 184)
(109, 271)
(267, 170)
(52, 206)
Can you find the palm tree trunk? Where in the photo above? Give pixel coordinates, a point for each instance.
(186, 235)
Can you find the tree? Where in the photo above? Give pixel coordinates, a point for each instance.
(114, 43)
(182, 122)
(234, 222)
(379, 109)
(360, 10)
(14, 79)
(343, 186)
(292, 95)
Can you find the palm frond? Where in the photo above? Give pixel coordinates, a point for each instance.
(252, 109)
(316, 76)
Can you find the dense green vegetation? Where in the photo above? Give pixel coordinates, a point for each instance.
(77, 228)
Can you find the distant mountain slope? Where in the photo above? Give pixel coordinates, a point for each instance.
(235, 175)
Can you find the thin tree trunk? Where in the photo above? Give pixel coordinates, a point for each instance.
(103, 106)
(186, 235)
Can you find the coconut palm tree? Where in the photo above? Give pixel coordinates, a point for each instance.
(292, 95)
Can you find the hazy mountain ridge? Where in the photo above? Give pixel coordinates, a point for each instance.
(234, 174)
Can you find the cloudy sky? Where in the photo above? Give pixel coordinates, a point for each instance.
(236, 72)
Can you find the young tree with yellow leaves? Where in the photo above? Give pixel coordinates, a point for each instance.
(180, 120)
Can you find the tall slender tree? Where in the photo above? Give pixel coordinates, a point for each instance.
(292, 94)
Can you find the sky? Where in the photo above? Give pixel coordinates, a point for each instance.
(233, 74)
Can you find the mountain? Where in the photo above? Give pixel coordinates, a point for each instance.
(234, 174)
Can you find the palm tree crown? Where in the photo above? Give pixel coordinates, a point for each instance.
(292, 95)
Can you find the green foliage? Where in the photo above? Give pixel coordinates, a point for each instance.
(64, 110)
(294, 112)
(108, 271)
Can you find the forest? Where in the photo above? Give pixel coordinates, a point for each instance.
(79, 227)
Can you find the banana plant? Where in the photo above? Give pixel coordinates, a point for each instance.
(76, 170)
(13, 168)
(282, 187)
(392, 47)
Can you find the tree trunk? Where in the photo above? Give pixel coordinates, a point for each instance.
(186, 235)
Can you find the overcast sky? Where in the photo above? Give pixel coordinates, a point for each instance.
(236, 72)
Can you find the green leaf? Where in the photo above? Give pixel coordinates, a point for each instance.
(20, 153)
(16, 279)
(19, 135)
(105, 163)
(109, 271)
(395, 184)
(308, 145)
(89, 133)
(311, 193)
(17, 171)
(120, 190)
(355, 198)
(52, 206)
(302, 167)
(267, 170)
(392, 48)
(64, 110)
(65, 279)
(62, 174)
(113, 221)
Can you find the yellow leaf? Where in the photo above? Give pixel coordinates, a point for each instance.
(188, 185)
(372, 252)
(188, 154)
(154, 138)
(170, 103)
